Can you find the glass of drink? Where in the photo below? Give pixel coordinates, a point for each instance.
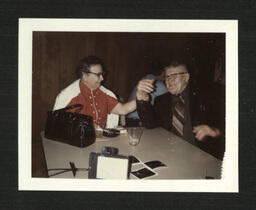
(134, 134)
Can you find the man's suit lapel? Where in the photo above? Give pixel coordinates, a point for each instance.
(167, 111)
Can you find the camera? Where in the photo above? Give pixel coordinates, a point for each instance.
(108, 164)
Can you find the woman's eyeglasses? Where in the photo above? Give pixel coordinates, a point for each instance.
(97, 74)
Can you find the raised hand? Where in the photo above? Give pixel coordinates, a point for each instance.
(144, 87)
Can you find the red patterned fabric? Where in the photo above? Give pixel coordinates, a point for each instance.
(96, 103)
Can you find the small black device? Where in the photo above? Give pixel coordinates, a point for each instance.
(110, 132)
(109, 151)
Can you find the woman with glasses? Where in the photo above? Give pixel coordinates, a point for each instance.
(97, 101)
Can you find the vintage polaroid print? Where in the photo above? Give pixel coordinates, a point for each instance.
(49, 50)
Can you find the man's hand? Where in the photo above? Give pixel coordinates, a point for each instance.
(202, 131)
(144, 87)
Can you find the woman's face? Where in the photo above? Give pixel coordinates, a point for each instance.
(94, 78)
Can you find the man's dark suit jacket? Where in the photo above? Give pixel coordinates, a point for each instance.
(206, 107)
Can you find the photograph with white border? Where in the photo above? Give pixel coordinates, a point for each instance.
(31, 76)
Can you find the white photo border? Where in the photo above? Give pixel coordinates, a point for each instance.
(229, 180)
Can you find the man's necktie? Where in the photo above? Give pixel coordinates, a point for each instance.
(178, 117)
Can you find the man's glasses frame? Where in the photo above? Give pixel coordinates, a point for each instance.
(174, 75)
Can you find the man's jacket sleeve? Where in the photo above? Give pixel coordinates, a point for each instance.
(146, 113)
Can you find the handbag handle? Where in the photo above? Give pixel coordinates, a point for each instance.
(72, 107)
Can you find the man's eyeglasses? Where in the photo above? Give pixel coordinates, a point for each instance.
(97, 74)
(174, 75)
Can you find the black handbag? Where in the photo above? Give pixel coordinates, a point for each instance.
(70, 128)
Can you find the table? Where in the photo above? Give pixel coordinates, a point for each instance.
(183, 160)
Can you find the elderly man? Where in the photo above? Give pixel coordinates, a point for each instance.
(195, 116)
(88, 91)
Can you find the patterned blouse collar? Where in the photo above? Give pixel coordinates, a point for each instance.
(87, 91)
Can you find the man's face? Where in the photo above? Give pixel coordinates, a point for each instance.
(176, 79)
(94, 78)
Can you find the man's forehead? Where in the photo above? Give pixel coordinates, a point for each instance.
(176, 69)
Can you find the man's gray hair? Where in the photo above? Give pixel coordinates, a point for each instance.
(175, 64)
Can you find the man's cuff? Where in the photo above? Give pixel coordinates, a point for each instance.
(141, 102)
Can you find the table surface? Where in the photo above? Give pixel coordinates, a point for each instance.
(182, 159)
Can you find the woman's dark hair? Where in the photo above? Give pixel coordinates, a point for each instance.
(85, 64)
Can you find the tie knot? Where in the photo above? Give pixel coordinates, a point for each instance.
(178, 98)
(181, 98)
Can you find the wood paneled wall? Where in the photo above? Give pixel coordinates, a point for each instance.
(127, 57)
